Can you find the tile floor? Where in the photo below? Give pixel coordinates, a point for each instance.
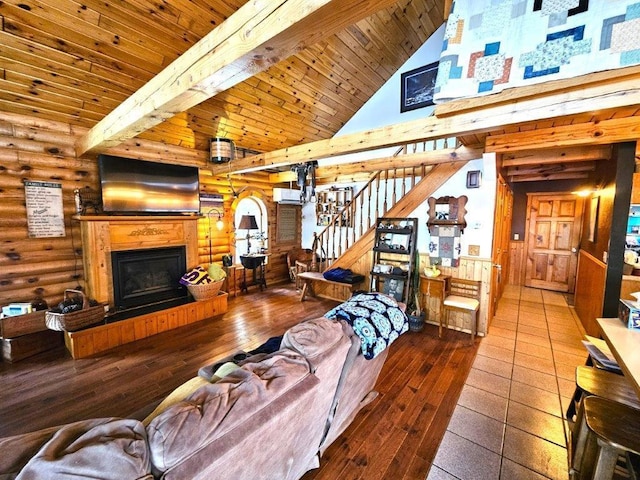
(508, 422)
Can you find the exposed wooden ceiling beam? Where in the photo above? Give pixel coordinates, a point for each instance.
(589, 133)
(555, 155)
(400, 162)
(546, 178)
(541, 170)
(257, 36)
(592, 98)
(519, 94)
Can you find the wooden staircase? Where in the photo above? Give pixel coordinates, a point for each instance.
(396, 192)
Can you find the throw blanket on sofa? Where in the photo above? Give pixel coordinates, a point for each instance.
(375, 318)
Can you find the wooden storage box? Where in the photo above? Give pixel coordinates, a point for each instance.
(19, 325)
(18, 348)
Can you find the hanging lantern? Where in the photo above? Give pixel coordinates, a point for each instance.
(222, 150)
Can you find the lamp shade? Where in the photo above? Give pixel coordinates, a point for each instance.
(222, 150)
(248, 222)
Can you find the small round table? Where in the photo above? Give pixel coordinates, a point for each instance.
(255, 263)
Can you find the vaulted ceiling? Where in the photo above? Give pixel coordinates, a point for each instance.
(77, 61)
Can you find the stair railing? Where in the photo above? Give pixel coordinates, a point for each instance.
(381, 192)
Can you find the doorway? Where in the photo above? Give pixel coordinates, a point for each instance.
(553, 230)
(501, 233)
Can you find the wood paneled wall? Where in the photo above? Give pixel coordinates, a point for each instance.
(589, 294)
(40, 150)
(470, 268)
(516, 263)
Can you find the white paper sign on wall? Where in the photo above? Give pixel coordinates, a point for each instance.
(45, 215)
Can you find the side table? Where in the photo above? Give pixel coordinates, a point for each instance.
(255, 263)
(434, 287)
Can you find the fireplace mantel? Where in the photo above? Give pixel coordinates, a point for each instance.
(103, 234)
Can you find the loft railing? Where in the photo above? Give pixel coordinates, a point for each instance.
(381, 192)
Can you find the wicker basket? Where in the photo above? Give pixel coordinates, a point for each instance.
(69, 322)
(205, 290)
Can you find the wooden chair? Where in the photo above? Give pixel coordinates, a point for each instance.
(298, 260)
(463, 296)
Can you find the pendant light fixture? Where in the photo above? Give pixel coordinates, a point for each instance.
(222, 150)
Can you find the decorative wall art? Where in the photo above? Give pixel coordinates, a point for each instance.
(474, 179)
(491, 45)
(444, 246)
(417, 86)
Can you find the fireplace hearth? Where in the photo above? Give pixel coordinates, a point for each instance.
(103, 235)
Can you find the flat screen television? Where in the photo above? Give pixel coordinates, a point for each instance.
(139, 186)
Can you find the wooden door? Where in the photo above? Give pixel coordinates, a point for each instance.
(500, 250)
(554, 225)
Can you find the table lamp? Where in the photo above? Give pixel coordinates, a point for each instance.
(248, 222)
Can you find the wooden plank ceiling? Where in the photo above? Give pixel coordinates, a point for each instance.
(77, 62)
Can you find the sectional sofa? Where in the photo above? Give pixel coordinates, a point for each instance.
(272, 417)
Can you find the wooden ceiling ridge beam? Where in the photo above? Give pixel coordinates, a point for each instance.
(403, 163)
(257, 36)
(591, 98)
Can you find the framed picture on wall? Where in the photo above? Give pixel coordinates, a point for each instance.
(416, 87)
(393, 287)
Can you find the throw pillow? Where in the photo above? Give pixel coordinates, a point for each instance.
(196, 276)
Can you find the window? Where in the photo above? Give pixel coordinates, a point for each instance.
(252, 241)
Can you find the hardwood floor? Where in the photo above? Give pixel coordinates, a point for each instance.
(396, 436)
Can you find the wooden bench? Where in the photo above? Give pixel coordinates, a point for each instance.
(337, 290)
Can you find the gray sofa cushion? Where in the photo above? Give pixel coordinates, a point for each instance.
(105, 448)
(313, 338)
(215, 409)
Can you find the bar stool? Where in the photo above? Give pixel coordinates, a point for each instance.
(606, 430)
(602, 383)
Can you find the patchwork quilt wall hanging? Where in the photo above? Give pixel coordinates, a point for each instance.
(490, 45)
(444, 246)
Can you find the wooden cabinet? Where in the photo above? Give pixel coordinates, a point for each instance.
(635, 190)
(393, 257)
(330, 202)
(433, 291)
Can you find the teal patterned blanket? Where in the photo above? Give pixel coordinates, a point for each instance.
(376, 318)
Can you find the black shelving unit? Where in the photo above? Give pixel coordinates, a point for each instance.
(393, 257)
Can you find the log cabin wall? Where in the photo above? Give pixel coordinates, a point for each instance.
(40, 150)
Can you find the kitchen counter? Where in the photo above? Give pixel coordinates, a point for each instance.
(624, 345)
